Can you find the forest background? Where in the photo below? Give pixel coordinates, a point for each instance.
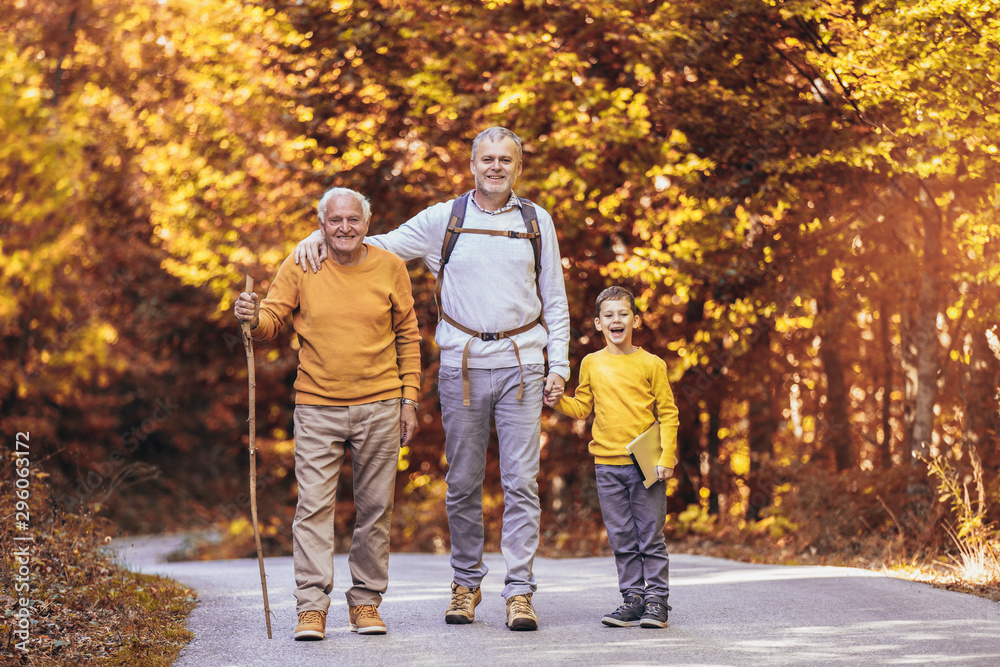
(803, 195)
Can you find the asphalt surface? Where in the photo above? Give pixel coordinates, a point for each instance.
(724, 613)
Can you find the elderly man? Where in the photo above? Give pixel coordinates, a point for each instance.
(357, 385)
(503, 302)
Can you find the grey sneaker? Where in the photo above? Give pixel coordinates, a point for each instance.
(628, 614)
(655, 615)
(520, 613)
(462, 609)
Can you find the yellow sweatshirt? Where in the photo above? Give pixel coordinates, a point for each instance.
(627, 392)
(358, 334)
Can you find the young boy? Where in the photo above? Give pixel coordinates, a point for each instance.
(628, 390)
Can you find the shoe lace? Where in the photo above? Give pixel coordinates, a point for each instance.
(521, 604)
(628, 605)
(656, 608)
(461, 599)
(368, 611)
(311, 617)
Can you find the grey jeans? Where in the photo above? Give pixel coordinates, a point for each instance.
(634, 517)
(322, 436)
(467, 432)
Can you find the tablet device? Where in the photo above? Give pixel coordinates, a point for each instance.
(645, 451)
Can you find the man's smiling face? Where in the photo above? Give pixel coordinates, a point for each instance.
(344, 227)
(496, 167)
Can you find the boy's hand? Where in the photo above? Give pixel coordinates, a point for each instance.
(554, 386)
(663, 474)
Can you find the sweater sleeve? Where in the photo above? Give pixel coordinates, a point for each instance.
(282, 298)
(555, 307)
(666, 412)
(407, 331)
(581, 403)
(420, 237)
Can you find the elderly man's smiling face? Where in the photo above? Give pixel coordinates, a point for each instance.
(344, 227)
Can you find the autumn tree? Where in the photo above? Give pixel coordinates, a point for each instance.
(801, 195)
(137, 153)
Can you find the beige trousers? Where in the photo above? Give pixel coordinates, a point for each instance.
(322, 436)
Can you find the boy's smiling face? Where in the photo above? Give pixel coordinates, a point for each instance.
(616, 322)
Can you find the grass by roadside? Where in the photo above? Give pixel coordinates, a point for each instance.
(78, 604)
(940, 573)
(935, 525)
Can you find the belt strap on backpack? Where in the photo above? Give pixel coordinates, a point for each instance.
(486, 336)
(455, 228)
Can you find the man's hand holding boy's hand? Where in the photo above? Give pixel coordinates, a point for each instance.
(663, 474)
(553, 391)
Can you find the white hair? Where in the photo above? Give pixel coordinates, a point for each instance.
(366, 208)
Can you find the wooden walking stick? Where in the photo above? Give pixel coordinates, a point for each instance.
(248, 346)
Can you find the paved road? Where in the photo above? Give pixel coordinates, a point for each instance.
(724, 613)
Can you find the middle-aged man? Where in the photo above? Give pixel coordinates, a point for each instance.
(493, 299)
(357, 385)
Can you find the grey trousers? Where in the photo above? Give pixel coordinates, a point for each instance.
(322, 436)
(467, 431)
(634, 517)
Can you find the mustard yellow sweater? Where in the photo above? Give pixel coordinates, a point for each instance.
(627, 393)
(358, 334)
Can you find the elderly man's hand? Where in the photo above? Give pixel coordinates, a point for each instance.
(311, 249)
(247, 307)
(407, 423)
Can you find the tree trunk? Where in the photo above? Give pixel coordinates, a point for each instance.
(837, 427)
(65, 48)
(980, 398)
(694, 386)
(689, 449)
(926, 346)
(713, 405)
(885, 445)
(908, 362)
(762, 428)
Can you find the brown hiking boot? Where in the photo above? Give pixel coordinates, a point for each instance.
(365, 620)
(462, 609)
(312, 625)
(520, 613)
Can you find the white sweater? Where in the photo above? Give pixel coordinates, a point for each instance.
(489, 285)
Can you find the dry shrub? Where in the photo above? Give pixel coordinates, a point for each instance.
(816, 516)
(976, 541)
(85, 607)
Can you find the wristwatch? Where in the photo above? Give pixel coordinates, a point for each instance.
(408, 401)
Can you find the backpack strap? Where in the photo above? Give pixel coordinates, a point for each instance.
(530, 216)
(454, 224)
(455, 227)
